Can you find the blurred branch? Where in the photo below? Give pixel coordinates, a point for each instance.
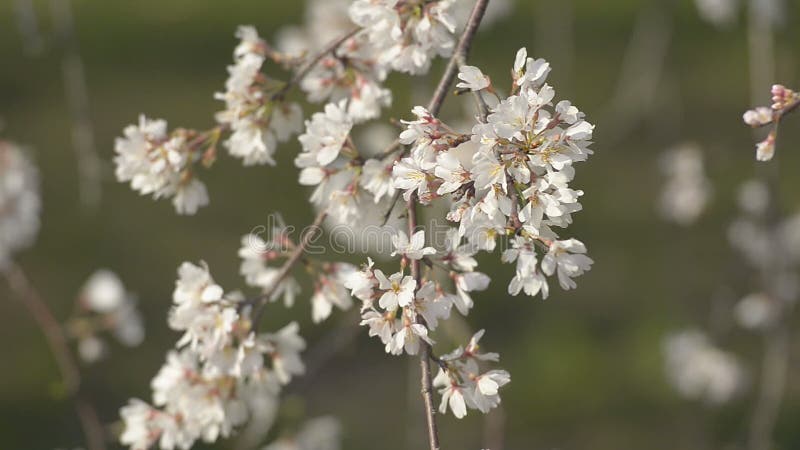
(494, 429)
(28, 26)
(24, 291)
(332, 344)
(641, 70)
(74, 78)
(772, 386)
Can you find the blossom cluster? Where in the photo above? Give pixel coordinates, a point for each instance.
(255, 110)
(403, 314)
(220, 367)
(784, 101)
(105, 306)
(509, 177)
(161, 164)
(462, 383)
(407, 34)
(19, 201)
(389, 35)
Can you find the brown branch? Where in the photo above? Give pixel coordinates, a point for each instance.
(294, 258)
(459, 57)
(426, 381)
(54, 335)
(460, 54)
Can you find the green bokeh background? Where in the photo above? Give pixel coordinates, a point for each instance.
(586, 364)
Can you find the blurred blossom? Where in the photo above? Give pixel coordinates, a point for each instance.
(719, 12)
(751, 240)
(323, 433)
(325, 20)
(699, 370)
(105, 307)
(91, 349)
(769, 11)
(104, 292)
(754, 197)
(19, 201)
(220, 369)
(755, 311)
(687, 189)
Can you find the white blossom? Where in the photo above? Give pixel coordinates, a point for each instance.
(398, 290)
(568, 259)
(472, 78)
(687, 190)
(257, 121)
(406, 37)
(413, 248)
(205, 389)
(326, 133)
(159, 164)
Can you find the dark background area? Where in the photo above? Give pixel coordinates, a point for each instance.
(586, 365)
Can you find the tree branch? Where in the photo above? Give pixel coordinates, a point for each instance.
(57, 341)
(459, 57)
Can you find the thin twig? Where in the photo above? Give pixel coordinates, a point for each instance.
(332, 47)
(57, 341)
(294, 258)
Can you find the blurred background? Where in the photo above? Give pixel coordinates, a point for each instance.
(587, 365)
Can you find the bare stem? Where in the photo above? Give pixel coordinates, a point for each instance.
(57, 341)
(294, 258)
(459, 58)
